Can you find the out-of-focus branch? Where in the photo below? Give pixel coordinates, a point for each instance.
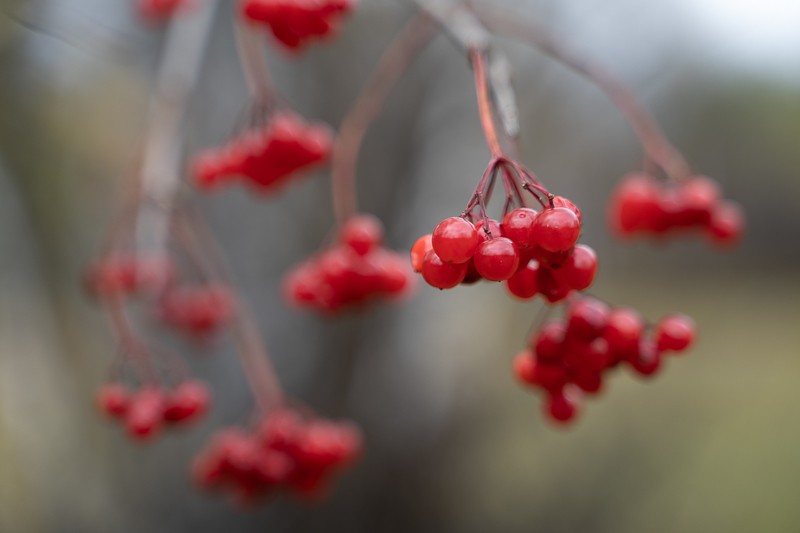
(254, 65)
(468, 32)
(368, 104)
(656, 146)
(161, 156)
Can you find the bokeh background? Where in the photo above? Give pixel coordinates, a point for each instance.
(713, 444)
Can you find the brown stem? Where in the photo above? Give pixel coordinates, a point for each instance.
(406, 45)
(131, 347)
(485, 103)
(160, 170)
(656, 146)
(251, 349)
(254, 65)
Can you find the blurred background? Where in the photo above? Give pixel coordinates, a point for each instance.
(453, 444)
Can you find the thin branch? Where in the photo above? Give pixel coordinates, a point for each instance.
(254, 65)
(183, 55)
(656, 146)
(407, 44)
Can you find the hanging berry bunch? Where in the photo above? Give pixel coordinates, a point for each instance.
(266, 156)
(572, 357)
(294, 23)
(642, 205)
(282, 453)
(354, 271)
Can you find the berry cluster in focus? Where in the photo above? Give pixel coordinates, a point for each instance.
(533, 252)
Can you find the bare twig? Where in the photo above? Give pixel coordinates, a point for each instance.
(368, 104)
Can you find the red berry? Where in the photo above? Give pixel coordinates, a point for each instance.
(587, 318)
(550, 376)
(548, 343)
(550, 287)
(525, 368)
(623, 331)
(418, 251)
(497, 259)
(579, 269)
(727, 224)
(145, 413)
(698, 195)
(494, 228)
(523, 283)
(589, 381)
(113, 399)
(557, 229)
(648, 359)
(188, 401)
(634, 203)
(674, 333)
(362, 233)
(440, 274)
(560, 201)
(561, 406)
(518, 226)
(455, 240)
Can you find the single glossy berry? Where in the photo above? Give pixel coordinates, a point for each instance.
(495, 230)
(634, 203)
(726, 224)
(674, 333)
(557, 229)
(523, 284)
(440, 274)
(421, 247)
(525, 368)
(561, 406)
(362, 233)
(518, 226)
(455, 240)
(548, 342)
(587, 318)
(623, 331)
(497, 259)
(579, 269)
(113, 399)
(560, 201)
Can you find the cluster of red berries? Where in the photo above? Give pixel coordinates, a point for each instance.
(144, 412)
(533, 252)
(268, 156)
(157, 11)
(352, 272)
(295, 22)
(284, 453)
(643, 205)
(198, 310)
(570, 357)
(121, 273)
